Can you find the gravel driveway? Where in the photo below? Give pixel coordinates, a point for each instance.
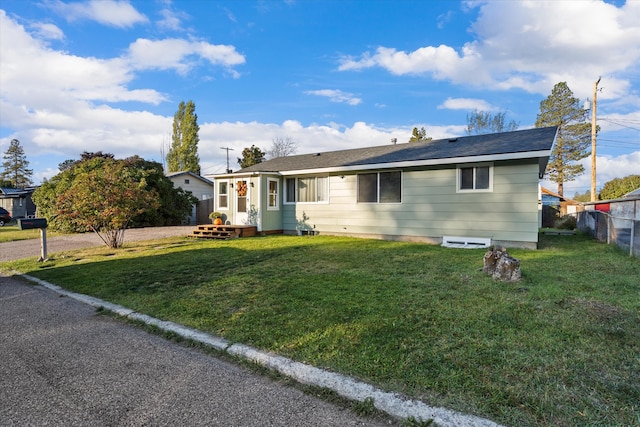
(10, 251)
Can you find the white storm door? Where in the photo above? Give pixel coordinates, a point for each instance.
(242, 202)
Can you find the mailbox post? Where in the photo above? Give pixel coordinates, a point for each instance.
(41, 223)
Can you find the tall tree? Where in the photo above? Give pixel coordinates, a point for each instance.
(618, 187)
(282, 147)
(481, 122)
(15, 166)
(419, 135)
(183, 154)
(251, 156)
(573, 142)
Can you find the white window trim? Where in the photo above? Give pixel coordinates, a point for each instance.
(378, 202)
(217, 196)
(474, 166)
(285, 189)
(278, 190)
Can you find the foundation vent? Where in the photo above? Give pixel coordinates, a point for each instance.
(465, 242)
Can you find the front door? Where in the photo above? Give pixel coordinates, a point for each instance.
(242, 199)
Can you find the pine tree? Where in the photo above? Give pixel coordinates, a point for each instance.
(573, 142)
(183, 154)
(15, 166)
(251, 156)
(419, 135)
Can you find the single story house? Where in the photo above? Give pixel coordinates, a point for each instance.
(475, 190)
(18, 201)
(199, 186)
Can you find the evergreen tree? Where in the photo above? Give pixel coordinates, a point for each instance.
(251, 156)
(15, 166)
(183, 154)
(481, 122)
(573, 142)
(419, 135)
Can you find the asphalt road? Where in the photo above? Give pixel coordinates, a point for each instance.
(62, 364)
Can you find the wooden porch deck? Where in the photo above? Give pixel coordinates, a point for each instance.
(210, 231)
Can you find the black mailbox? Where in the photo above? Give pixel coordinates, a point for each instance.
(29, 223)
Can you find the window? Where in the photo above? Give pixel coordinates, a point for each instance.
(312, 189)
(475, 178)
(273, 194)
(186, 181)
(380, 187)
(223, 195)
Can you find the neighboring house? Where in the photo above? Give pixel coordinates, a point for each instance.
(481, 188)
(18, 201)
(627, 207)
(555, 206)
(200, 187)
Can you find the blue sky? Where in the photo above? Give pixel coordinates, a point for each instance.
(108, 75)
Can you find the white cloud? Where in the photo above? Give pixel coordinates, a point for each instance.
(171, 20)
(114, 13)
(528, 45)
(55, 103)
(50, 80)
(180, 55)
(335, 95)
(48, 31)
(468, 104)
(607, 168)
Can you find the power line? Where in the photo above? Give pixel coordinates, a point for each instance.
(620, 124)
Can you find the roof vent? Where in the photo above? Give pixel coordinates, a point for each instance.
(453, 139)
(316, 154)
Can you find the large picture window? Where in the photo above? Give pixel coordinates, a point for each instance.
(475, 178)
(380, 187)
(311, 189)
(223, 195)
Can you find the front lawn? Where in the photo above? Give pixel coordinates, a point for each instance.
(561, 348)
(11, 232)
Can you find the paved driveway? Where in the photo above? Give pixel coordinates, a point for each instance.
(62, 364)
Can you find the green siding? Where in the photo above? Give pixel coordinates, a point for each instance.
(431, 207)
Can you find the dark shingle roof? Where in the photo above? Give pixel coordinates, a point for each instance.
(530, 140)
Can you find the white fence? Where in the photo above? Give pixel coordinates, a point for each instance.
(624, 232)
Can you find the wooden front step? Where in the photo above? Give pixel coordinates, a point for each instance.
(209, 231)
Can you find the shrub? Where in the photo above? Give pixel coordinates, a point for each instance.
(567, 222)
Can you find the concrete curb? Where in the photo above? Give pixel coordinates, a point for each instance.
(393, 404)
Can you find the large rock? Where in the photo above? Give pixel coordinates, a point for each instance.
(502, 266)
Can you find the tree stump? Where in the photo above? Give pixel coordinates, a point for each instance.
(502, 266)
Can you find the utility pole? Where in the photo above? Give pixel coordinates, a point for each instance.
(593, 140)
(228, 149)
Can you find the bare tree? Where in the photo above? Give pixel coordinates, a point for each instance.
(282, 147)
(481, 122)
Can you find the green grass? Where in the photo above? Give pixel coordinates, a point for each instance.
(561, 347)
(11, 233)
